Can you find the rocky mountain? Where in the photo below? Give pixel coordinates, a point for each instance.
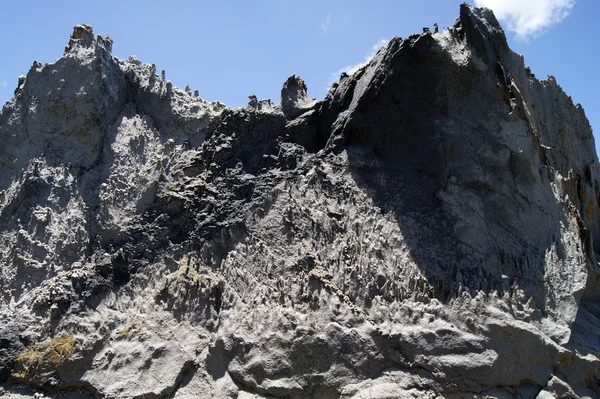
(428, 230)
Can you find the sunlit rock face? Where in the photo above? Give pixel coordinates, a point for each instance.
(427, 230)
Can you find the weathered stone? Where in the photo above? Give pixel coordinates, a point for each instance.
(294, 97)
(429, 229)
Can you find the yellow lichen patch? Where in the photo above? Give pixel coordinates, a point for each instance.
(132, 329)
(45, 356)
(189, 273)
(190, 289)
(320, 273)
(188, 267)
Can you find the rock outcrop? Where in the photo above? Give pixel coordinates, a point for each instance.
(429, 229)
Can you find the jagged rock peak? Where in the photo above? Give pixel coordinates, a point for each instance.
(480, 27)
(83, 37)
(294, 97)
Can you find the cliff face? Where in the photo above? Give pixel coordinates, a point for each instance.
(427, 230)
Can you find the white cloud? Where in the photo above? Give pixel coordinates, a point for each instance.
(350, 69)
(529, 18)
(325, 25)
(4, 84)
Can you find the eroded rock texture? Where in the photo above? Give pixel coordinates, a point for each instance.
(428, 230)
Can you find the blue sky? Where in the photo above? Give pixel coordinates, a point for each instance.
(229, 50)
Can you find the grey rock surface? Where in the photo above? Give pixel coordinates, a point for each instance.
(294, 97)
(428, 230)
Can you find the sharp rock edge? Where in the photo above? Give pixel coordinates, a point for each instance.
(427, 230)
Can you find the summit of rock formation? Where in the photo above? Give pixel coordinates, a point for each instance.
(428, 230)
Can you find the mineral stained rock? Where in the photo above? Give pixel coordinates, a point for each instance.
(428, 230)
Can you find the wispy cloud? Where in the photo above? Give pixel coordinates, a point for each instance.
(351, 69)
(325, 25)
(530, 18)
(4, 84)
